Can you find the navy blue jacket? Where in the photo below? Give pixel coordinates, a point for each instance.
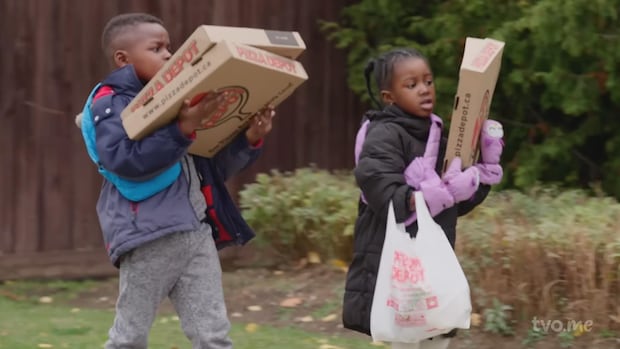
(126, 224)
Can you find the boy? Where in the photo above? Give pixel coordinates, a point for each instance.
(163, 242)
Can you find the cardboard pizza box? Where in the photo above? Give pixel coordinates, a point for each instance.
(252, 77)
(477, 79)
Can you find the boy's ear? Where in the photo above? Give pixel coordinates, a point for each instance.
(386, 97)
(120, 58)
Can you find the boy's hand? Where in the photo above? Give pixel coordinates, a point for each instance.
(193, 114)
(260, 125)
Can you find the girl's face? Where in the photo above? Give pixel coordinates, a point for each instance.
(412, 87)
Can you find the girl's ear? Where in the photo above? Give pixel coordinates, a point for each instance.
(121, 58)
(387, 97)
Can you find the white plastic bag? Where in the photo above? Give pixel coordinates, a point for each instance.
(421, 289)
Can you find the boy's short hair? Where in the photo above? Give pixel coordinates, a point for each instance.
(119, 24)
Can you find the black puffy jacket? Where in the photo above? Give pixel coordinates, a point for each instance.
(393, 140)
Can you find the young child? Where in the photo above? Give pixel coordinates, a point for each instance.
(396, 152)
(160, 209)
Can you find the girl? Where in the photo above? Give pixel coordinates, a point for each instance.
(396, 154)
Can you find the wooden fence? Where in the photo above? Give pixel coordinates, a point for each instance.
(49, 61)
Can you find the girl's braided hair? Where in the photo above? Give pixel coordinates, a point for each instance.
(383, 66)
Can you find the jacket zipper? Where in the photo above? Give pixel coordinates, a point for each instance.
(134, 213)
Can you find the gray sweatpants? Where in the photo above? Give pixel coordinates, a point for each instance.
(184, 267)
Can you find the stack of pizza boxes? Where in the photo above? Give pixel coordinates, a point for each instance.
(255, 68)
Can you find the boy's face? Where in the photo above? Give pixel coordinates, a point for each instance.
(148, 50)
(412, 87)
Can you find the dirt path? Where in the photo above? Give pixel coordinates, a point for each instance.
(309, 299)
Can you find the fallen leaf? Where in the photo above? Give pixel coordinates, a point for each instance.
(236, 315)
(329, 346)
(291, 302)
(338, 263)
(278, 272)
(314, 258)
(305, 319)
(45, 345)
(579, 330)
(255, 308)
(251, 327)
(164, 320)
(476, 319)
(330, 318)
(46, 300)
(75, 310)
(103, 299)
(175, 318)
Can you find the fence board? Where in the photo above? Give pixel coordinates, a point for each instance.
(50, 60)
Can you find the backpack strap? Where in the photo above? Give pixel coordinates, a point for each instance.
(130, 189)
(359, 139)
(432, 144)
(88, 126)
(434, 139)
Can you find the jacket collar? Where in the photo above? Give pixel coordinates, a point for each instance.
(124, 81)
(417, 126)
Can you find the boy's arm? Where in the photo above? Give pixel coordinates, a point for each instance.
(245, 148)
(134, 159)
(236, 156)
(379, 172)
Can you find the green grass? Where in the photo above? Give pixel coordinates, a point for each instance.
(24, 325)
(33, 289)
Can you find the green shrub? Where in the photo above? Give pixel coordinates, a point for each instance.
(309, 210)
(544, 253)
(558, 91)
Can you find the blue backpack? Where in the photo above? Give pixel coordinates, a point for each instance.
(130, 189)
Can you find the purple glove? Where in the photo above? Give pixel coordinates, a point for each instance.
(490, 174)
(418, 171)
(436, 195)
(462, 184)
(491, 143)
